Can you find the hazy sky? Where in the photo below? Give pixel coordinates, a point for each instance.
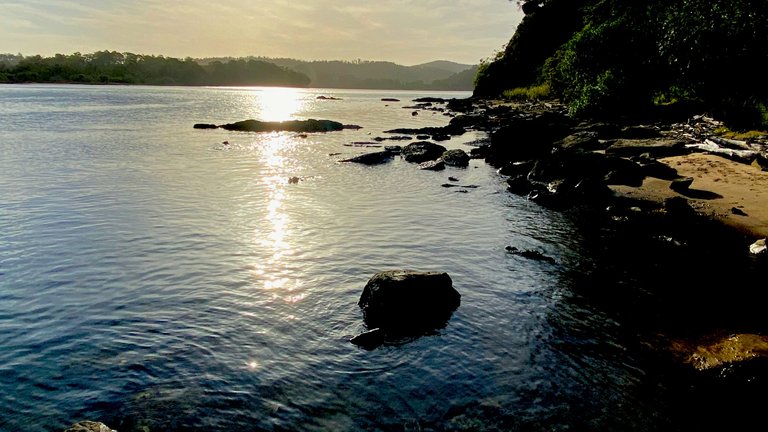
(403, 31)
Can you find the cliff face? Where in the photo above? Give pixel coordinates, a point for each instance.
(545, 27)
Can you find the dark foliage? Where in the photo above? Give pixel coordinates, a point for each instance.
(606, 57)
(105, 67)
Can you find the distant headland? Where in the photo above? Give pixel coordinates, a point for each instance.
(112, 67)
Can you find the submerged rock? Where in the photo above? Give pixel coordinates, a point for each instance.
(370, 339)
(719, 352)
(530, 254)
(404, 301)
(89, 426)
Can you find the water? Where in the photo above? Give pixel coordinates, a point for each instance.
(154, 278)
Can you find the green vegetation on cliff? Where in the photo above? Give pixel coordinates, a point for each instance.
(623, 56)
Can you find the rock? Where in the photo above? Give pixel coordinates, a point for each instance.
(204, 126)
(719, 352)
(430, 100)
(435, 165)
(737, 211)
(449, 130)
(468, 120)
(456, 158)
(657, 148)
(679, 208)
(394, 149)
(375, 158)
(623, 172)
(89, 426)
(453, 179)
(422, 137)
(585, 140)
(758, 248)
(514, 169)
(422, 151)
(519, 185)
(639, 132)
(527, 138)
(530, 254)
(390, 100)
(394, 138)
(659, 170)
(351, 127)
(370, 339)
(321, 97)
(414, 113)
(460, 105)
(448, 185)
(310, 125)
(404, 301)
(681, 184)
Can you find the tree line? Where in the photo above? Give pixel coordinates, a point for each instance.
(112, 67)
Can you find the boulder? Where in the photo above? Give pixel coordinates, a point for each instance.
(204, 126)
(404, 301)
(681, 184)
(527, 138)
(89, 426)
(584, 140)
(422, 151)
(310, 125)
(390, 100)
(375, 158)
(456, 158)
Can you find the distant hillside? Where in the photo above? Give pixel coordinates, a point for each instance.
(437, 75)
(444, 65)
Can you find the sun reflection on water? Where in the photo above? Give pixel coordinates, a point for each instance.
(273, 237)
(278, 103)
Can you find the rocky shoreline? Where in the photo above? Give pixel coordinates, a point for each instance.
(673, 181)
(561, 162)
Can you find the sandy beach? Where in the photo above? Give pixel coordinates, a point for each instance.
(720, 186)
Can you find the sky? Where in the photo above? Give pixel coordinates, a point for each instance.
(403, 31)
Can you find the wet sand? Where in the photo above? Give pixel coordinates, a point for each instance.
(719, 186)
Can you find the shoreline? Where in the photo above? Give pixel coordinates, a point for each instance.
(731, 192)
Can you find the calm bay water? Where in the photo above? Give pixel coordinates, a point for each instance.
(155, 279)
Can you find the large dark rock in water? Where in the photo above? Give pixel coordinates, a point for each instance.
(407, 302)
(456, 158)
(422, 151)
(305, 126)
(375, 158)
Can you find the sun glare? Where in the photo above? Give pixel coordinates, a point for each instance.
(278, 103)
